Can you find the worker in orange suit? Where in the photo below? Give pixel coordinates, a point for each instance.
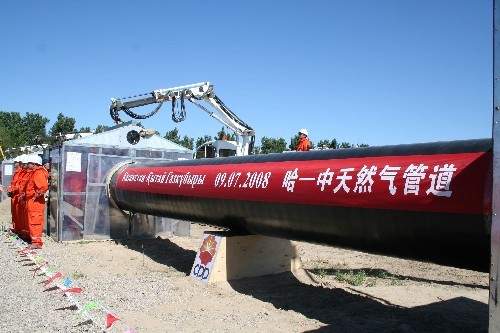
(14, 194)
(35, 199)
(22, 213)
(304, 143)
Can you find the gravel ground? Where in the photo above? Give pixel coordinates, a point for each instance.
(28, 306)
(146, 285)
(143, 283)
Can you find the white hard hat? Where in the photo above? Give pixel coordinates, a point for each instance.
(304, 131)
(18, 158)
(29, 158)
(24, 158)
(37, 159)
(34, 158)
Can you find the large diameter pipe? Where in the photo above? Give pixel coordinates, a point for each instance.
(428, 201)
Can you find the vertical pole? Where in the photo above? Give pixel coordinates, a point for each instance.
(60, 192)
(494, 310)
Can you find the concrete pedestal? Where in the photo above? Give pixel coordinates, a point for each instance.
(225, 256)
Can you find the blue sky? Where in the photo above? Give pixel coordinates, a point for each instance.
(376, 72)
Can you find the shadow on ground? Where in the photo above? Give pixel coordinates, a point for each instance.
(384, 274)
(342, 311)
(164, 252)
(338, 309)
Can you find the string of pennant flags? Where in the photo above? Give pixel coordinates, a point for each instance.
(92, 310)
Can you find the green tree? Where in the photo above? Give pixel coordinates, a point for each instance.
(100, 129)
(34, 126)
(294, 142)
(187, 142)
(222, 133)
(85, 130)
(345, 145)
(323, 144)
(12, 124)
(272, 145)
(4, 137)
(364, 145)
(173, 136)
(21, 131)
(63, 125)
(202, 140)
(328, 144)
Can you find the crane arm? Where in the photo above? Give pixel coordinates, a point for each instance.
(195, 93)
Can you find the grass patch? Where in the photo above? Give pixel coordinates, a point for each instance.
(317, 263)
(321, 273)
(350, 277)
(356, 277)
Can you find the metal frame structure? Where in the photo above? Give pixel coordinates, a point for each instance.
(494, 309)
(78, 202)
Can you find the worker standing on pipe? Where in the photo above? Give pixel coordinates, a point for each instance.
(304, 143)
(35, 199)
(14, 194)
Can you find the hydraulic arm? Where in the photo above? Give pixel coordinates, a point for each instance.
(195, 93)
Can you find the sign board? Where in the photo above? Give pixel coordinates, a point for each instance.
(74, 161)
(8, 170)
(205, 258)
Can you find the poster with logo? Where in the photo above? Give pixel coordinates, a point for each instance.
(205, 257)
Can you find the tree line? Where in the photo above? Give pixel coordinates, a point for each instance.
(19, 131)
(267, 145)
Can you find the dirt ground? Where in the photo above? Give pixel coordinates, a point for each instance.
(340, 291)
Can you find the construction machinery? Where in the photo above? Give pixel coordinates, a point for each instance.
(198, 94)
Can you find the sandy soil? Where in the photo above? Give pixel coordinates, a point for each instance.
(342, 291)
(339, 291)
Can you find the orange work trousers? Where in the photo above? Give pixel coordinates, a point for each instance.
(22, 216)
(35, 210)
(14, 207)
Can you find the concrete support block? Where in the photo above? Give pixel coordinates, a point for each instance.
(236, 256)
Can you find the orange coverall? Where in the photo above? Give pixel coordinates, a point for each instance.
(304, 144)
(22, 214)
(14, 194)
(35, 202)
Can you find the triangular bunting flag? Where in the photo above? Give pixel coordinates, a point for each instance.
(72, 290)
(110, 319)
(67, 282)
(38, 268)
(57, 275)
(89, 306)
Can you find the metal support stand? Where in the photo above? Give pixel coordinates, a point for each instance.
(494, 310)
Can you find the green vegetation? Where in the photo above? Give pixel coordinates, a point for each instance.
(21, 131)
(360, 277)
(352, 278)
